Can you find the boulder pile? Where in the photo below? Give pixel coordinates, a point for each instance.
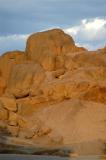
(54, 93)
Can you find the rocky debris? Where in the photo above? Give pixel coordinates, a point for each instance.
(54, 94)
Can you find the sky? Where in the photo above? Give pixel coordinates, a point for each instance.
(84, 20)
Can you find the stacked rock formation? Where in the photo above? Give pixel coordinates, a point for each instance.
(54, 93)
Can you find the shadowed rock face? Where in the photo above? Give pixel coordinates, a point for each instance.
(54, 93)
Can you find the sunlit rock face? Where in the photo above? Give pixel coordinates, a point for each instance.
(8, 60)
(45, 47)
(54, 93)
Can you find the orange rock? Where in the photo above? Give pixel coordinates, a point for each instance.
(84, 59)
(8, 60)
(44, 47)
(3, 113)
(55, 93)
(8, 103)
(2, 85)
(13, 119)
(25, 79)
(76, 120)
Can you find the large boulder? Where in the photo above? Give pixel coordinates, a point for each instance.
(72, 123)
(75, 120)
(25, 79)
(8, 60)
(44, 47)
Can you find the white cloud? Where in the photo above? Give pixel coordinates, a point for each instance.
(89, 46)
(89, 31)
(13, 42)
(14, 37)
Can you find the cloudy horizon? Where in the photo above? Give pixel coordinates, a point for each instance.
(84, 20)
